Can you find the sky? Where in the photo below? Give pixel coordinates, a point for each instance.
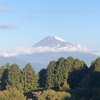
(25, 22)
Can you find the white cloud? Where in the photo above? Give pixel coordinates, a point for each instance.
(2, 9)
(31, 50)
(7, 26)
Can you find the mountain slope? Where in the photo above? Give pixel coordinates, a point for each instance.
(52, 41)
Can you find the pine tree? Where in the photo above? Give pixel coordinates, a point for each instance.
(79, 71)
(95, 65)
(63, 67)
(95, 73)
(42, 78)
(50, 75)
(14, 77)
(29, 78)
(3, 77)
(57, 73)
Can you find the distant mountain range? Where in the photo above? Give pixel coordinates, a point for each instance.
(50, 48)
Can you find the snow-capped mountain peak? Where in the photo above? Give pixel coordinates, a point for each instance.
(52, 41)
(59, 39)
(48, 44)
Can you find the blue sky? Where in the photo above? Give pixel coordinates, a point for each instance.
(25, 22)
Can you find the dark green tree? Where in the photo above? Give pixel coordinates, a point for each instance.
(3, 77)
(30, 78)
(42, 78)
(95, 73)
(50, 75)
(61, 75)
(14, 78)
(79, 71)
(57, 73)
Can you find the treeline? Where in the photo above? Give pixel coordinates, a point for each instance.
(12, 78)
(65, 79)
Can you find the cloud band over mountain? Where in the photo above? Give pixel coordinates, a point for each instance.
(31, 50)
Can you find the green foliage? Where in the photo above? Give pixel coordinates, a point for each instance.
(29, 78)
(50, 75)
(95, 73)
(3, 77)
(42, 78)
(95, 65)
(51, 95)
(58, 73)
(61, 73)
(75, 77)
(12, 94)
(78, 64)
(14, 77)
(66, 74)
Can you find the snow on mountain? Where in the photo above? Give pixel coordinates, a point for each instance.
(59, 39)
(48, 44)
(56, 44)
(52, 41)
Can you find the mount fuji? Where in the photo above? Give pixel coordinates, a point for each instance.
(56, 44)
(46, 50)
(52, 41)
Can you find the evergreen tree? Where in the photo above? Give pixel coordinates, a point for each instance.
(29, 78)
(61, 73)
(63, 67)
(79, 71)
(95, 65)
(14, 78)
(42, 78)
(95, 73)
(50, 75)
(57, 73)
(3, 77)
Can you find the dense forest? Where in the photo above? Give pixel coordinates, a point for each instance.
(64, 79)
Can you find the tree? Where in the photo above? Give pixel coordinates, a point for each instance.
(29, 78)
(42, 78)
(14, 77)
(95, 65)
(3, 77)
(57, 73)
(61, 73)
(79, 71)
(50, 75)
(95, 73)
(12, 94)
